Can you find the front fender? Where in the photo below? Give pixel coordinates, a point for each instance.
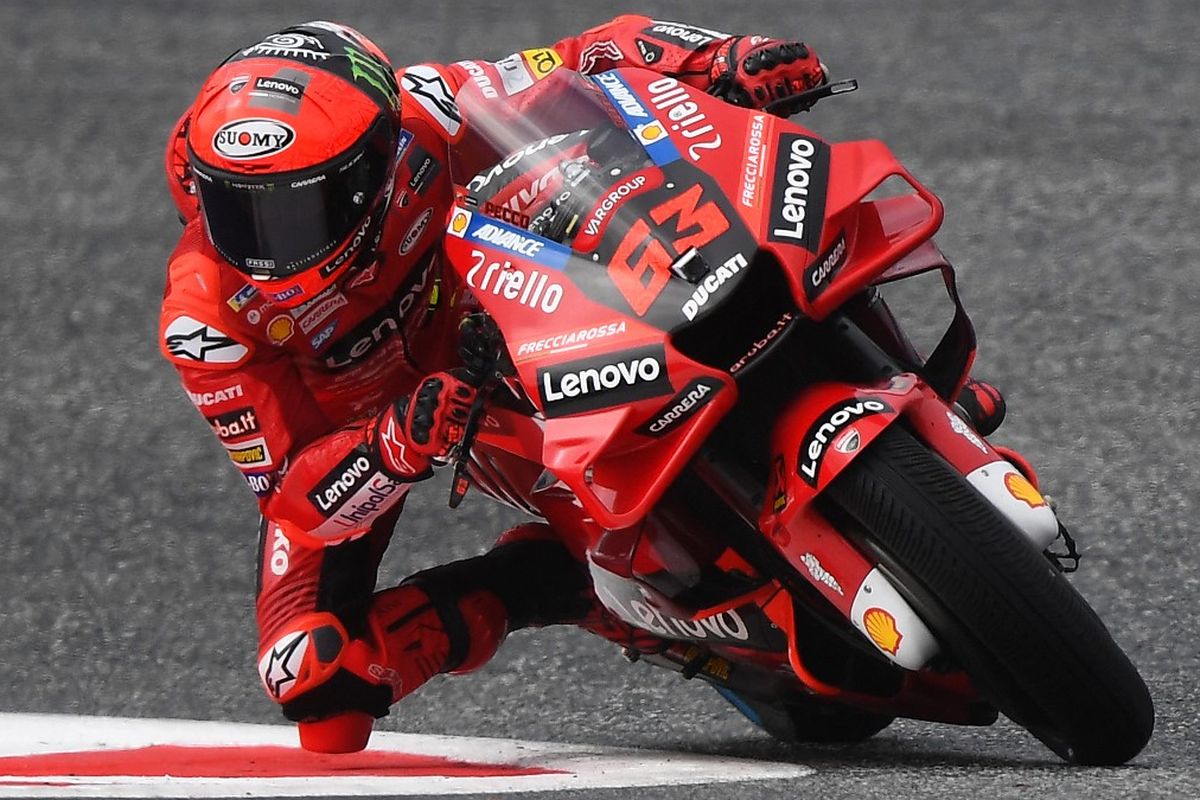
(825, 428)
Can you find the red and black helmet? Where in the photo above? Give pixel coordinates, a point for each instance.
(292, 143)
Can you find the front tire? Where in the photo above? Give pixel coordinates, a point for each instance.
(1028, 640)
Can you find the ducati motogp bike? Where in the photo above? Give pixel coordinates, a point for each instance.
(698, 380)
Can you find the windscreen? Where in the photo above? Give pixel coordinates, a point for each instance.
(542, 158)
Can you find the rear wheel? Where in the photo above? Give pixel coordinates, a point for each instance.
(1025, 636)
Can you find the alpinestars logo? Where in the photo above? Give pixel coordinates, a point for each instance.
(604, 381)
(280, 666)
(192, 340)
(827, 427)
(429, 89)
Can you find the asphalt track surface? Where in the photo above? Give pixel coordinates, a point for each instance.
(1062, 139)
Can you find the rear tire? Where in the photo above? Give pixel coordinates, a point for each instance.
(1031, 644)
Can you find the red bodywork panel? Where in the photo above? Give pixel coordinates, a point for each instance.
(604, 319)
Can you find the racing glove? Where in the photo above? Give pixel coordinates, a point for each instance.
(422, 428)
(752, 71)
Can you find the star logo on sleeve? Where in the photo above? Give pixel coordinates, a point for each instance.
(280, 666)
(429, 89)
(191, 340)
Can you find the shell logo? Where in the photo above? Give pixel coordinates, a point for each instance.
(1020, 487)
(651, 132)
(881, 627)
(280, 329)
(459, 222)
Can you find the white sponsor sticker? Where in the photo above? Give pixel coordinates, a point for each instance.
(429, 88)
(189, 339)
(245, 139)
(514, 74)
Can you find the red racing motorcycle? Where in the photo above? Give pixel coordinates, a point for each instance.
(700, 385)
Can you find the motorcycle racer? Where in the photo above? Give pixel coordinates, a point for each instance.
(312, 325)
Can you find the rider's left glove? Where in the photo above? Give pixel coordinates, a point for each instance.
(752, 71)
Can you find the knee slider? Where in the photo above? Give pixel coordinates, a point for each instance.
(312, 671)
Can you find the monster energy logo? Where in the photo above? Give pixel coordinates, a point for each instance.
(377, 75)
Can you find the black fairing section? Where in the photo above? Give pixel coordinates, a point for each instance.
(756, 314)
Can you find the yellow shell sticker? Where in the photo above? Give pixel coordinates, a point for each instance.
(280, 329)
(881, 627)
(542, 61)
(1020, 487)
(459, 223)
(651, 132)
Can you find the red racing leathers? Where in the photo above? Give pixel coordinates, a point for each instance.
(301, 399)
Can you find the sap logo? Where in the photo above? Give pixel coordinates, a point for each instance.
(246, 139)
(533, 289)
(833, 421)
(323, 335)
(712, 284)
(604, 381)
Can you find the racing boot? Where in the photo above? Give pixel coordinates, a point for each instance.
(335, 687)
(982, 405)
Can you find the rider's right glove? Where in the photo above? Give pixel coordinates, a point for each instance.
(753, 71)
(421, 429)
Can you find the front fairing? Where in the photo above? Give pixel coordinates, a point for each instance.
(595, 320)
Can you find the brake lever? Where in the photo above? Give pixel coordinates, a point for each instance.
(809, 97)
(483, 388)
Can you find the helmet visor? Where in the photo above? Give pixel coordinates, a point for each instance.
(277, 225)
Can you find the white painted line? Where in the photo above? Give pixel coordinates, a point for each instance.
(116, 757)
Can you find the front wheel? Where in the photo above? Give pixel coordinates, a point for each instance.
(1028, 640)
